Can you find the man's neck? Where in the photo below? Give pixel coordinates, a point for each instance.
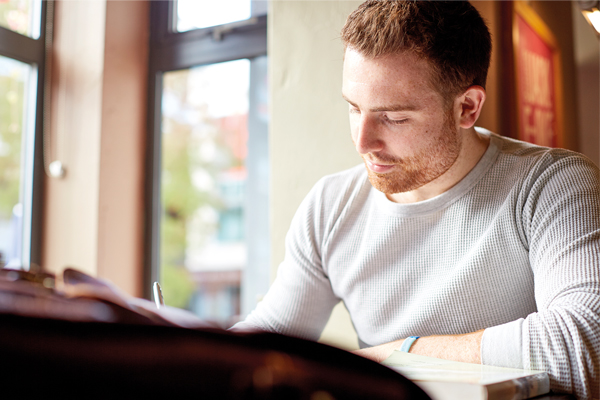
(473, 148)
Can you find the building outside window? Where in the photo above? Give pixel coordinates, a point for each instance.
(209, 191)
(22, 44)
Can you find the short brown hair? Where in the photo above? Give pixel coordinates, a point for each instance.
(450, 35)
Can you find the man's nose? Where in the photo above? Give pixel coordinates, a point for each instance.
(368, 136)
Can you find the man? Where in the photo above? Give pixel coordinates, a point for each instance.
(486, 248)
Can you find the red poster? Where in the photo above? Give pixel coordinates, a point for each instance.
(536, 67)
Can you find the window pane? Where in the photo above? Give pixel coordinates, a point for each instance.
(14, 81)
(21, 16)
(195, 14)
(203, 187)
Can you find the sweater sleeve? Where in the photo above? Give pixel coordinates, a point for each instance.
(300, 300)
(561, 227)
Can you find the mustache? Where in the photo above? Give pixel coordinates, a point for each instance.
(383, 159)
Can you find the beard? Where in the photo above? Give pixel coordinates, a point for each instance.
(415, 171)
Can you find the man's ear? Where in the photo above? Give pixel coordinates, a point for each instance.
(471, 103)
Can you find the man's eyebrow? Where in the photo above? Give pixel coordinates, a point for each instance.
(391, 108)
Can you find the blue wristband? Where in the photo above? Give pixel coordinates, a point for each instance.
(407, 343)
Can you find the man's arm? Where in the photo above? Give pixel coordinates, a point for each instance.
(300, 299)
(561, 225)
(465, 348)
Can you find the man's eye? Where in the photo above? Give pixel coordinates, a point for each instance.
(354, 111)
(395, 121)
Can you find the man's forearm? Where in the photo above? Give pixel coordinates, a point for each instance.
(465, 348)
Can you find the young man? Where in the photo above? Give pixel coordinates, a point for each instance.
(486, 248)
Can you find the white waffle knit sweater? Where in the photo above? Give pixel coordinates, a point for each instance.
(514, 248)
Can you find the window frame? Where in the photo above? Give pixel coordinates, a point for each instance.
(170, 51)
(33, 52)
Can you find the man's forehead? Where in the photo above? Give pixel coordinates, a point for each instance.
(386, 70)
(405, 76)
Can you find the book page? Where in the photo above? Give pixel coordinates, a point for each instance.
(422, 368)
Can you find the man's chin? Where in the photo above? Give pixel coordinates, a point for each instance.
(391, 183)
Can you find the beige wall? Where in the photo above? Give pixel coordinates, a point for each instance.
(71, 204)
(93, 216)
(309, 131)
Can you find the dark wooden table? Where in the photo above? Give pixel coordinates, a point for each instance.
(555, 396)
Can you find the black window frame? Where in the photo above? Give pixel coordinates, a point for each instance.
(33, 51)
(171, 51)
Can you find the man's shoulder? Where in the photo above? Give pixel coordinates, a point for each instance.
(523, 152)
(531, 168)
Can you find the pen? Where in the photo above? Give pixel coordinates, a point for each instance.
(158, 297)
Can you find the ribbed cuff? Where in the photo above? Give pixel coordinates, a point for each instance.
(502, 345)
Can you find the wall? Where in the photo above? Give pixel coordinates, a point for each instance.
(309, 131)
(71, 223)
(93, 216)
(587, 63)
(490, 115)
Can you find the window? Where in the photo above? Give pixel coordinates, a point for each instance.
(22, 56)
(208, 244)
(22, 16)
(197, 14)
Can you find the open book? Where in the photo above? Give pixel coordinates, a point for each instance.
(449, 380)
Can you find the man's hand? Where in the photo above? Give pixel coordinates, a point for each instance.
(465, 348)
